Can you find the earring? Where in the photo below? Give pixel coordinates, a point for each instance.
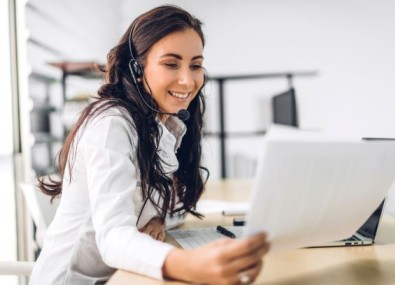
(139, 79)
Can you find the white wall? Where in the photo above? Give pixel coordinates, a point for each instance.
(77, 30)
(69, 30)
(351, 43)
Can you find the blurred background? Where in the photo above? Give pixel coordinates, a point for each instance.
(317, 65)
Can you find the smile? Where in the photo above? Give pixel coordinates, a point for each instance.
(179, 95)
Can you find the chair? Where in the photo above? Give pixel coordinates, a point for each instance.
(16, 268)
(41, 209)
(42, 212)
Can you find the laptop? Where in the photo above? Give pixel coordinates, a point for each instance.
(193, 238)
(305, 185)
(365, 235)
(312, 189)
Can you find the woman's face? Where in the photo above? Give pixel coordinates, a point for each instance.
(173, 70)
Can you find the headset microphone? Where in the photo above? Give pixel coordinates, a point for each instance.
(137, 72)
(183, 114)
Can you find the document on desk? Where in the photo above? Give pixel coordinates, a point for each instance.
(311, 189)
(208, 206)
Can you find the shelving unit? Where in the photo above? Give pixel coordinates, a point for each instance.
(88, 70)
(221, 80)
(43, 114)
(83, 69)
(48, 116)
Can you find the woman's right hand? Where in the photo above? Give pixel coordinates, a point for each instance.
(220, 262)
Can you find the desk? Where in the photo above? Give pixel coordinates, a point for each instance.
(362, 265)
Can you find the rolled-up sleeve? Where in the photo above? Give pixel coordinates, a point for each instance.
(108, 144)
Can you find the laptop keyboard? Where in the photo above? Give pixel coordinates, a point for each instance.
(192, 238)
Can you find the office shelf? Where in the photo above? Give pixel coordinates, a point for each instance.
(222, 134)
(49, 116)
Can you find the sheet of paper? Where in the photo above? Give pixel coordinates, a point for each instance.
(208, 206)
(314, 190)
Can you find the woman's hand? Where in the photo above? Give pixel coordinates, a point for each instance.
(155, 228)
(225, 261)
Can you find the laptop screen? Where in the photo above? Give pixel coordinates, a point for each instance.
(369, 228)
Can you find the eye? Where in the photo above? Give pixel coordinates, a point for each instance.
(196, 66)
(171, 65)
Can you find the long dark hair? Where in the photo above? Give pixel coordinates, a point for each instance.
(119, 91)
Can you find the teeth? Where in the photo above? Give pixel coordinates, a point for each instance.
(179, 95)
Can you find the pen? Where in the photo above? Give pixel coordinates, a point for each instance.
(225, 232)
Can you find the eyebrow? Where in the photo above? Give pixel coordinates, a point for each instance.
(180, 57)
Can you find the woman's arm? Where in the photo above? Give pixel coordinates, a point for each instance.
(219, 262)
(155, 228)
(107, 147)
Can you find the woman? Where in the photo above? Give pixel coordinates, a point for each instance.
(131, 167)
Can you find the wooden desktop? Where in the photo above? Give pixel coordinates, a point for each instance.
(362, 265)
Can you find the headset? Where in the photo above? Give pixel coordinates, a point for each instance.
(137, 73)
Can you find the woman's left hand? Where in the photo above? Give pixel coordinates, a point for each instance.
(155, 228)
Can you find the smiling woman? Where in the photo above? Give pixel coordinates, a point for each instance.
(129, 171)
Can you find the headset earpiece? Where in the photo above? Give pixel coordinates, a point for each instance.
(136, 70)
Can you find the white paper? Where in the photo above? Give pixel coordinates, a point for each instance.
(209, 206)
(312, 189)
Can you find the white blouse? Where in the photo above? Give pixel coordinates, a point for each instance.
(94, 231)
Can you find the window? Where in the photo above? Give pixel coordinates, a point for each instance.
(8, 239)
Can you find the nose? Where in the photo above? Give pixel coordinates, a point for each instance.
(186, 78)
